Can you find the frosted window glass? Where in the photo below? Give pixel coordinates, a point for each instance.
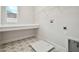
(11, 11)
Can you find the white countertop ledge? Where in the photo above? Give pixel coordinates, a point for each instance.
(4, 28)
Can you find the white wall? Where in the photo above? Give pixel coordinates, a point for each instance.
(0, 22)
(0, 15)
(53, 32)
(25, 15)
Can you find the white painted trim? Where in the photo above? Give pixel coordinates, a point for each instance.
(17, 27)
(12, 20)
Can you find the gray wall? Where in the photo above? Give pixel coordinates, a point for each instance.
(53, 32)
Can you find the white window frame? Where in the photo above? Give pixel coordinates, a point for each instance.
(11, 20)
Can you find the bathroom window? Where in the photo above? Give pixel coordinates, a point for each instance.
(11, 13)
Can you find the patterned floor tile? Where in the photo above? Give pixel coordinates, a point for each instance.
(18, 46)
